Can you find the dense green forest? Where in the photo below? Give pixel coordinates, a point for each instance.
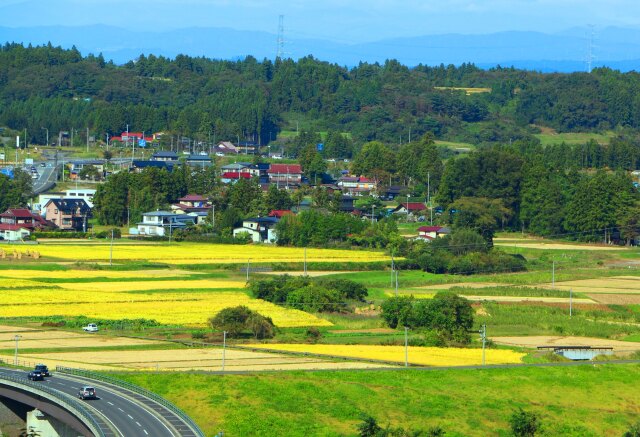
(197, 97)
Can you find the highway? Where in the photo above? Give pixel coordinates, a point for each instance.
(121, 408)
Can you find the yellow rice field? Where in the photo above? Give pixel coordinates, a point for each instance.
(17, 283)
(189, 253)
(89, 274)
(151, 285)
(170, 308)
(427, 356)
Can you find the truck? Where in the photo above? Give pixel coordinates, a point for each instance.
(91, 327)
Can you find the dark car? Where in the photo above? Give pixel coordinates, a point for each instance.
(35, 375)
(43, 369)
(87, 392)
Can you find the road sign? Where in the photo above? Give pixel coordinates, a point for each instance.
(142, 142)
(7, 171)
(320, 147)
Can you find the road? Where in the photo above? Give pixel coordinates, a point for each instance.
(127, 416)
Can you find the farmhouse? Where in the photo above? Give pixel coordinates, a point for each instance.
(68, 214)
(163, 223)
(261, 229)
(13, 232)
(431, 232)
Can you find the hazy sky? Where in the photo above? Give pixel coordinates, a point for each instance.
(341, 20)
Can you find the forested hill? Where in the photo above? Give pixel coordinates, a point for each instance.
(61, 89)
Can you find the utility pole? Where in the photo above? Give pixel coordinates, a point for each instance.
(305, 261)
(483, 337)
(111, 250)
(87, 140)
(373, 211)
(406, 346)
(16, 338)
(396, 283)
(248, 264)
(224, 347)
(393, 267)
(570, 303)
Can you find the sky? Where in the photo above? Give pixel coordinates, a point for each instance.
(346, 21)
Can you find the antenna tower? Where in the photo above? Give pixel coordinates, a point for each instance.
(280, 52)
(590, 56)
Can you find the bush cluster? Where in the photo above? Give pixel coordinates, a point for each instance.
(240, 319)
(447, 314)
(309, 294)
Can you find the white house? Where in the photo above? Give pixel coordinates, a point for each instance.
(13, 232)
(261, 229)
(163, 223)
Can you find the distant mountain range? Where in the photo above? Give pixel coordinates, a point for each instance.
(567, 51)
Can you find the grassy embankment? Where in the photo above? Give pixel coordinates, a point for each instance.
(462, 402)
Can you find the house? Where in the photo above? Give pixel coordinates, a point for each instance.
(279, 213)
(137, 166)
(432, 232)
(163, 223)
(285, 174)
(24, 218)
(391, 192)
(248, 147)
(226, 147)
(164, 155)
(236, 166)
(199, 161)
(13, 232)
(411, 208)
(347, 204)
(357, 185)
(233, 176)
(259, 169)
(68, 214)
(192, 203)
(86, 194)
(77, 166)
(261, 229)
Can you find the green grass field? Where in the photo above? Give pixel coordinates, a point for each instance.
(588, 400)
(549, 138)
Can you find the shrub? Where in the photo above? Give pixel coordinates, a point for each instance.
(236, 320)
(524, 423)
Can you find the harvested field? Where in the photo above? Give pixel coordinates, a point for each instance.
(95, 341)
(544, 340)
(531, 299)
(617, 299)
(613, 285)
(558, 246)
(190, 359)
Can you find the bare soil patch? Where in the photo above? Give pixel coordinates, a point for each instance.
(558, 246)
(617, 299)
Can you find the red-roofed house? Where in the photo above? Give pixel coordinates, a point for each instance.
(279, 213)
(285, 174)
(234, 176)
(13, 232)
(431, 232)
(410, 208)
(356, 186)
(24, 218)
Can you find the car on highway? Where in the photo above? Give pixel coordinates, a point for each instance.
(35, 375)
(42, 368)
(87, 392)
(43, 164)
(91, 327)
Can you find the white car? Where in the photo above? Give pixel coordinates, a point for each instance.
(91, 327)
(219, 154)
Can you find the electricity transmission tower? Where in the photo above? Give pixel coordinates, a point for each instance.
(590, 56)
(280, 51)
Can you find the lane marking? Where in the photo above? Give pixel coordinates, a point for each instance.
(110, 403)
(138, 423)
(145, 431)
(121, 409)
(130, 417)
